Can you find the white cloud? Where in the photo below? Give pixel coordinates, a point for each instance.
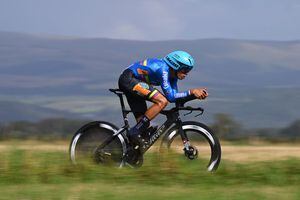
(147, 20)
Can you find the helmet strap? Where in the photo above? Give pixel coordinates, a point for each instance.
(176, 72)
(173, 72)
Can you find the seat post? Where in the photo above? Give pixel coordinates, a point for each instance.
(122, 104)
(124, 111)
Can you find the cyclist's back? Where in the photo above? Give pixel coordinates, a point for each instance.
(150, 70)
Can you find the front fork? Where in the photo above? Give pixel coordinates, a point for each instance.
(184, 138)
(191, 152)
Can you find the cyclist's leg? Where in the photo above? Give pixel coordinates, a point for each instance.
(160, 102)
(139, 107)
(144, 122)
(137, 104)
(151, 94)
(133, 87)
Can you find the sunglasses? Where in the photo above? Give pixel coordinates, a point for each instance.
(185, 71)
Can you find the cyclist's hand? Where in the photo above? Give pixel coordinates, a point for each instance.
(199, 93)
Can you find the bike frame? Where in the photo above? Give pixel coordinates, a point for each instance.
(172, 118)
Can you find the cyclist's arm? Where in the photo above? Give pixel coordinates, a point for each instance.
(179, 94)
(170, 89)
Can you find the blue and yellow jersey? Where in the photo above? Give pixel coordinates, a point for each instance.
(157, 72)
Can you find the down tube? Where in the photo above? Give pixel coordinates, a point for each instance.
(162, 129)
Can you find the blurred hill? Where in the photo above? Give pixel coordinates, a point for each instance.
(257, 82)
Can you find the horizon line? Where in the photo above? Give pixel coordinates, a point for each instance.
(74, 37)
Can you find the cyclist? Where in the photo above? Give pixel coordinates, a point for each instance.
(137, 82)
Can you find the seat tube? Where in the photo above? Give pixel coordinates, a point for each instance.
(124, 113)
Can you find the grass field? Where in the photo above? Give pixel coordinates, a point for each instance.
(41, 170)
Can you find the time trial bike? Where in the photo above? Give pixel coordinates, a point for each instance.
(105, 143)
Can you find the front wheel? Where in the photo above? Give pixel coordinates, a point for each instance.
(204, 148)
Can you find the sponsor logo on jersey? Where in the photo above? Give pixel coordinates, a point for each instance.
(165, 79)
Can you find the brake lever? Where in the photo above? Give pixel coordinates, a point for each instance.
(201, 112)
(187, 113)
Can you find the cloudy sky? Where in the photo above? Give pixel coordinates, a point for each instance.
(155, 19)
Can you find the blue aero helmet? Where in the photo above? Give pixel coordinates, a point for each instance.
(180, 60)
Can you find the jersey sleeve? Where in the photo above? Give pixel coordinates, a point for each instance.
(170, 89)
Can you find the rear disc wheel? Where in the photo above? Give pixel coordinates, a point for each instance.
(85, 143)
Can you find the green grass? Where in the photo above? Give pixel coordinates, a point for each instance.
(26, 174)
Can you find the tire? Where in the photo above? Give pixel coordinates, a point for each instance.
(83, 146)
(201, 138)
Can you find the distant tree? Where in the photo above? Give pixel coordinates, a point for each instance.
(292, 131)
(267, 133)
(226, 127)
(44, 129)
(59, 127)
(19, 129)
(1, 130)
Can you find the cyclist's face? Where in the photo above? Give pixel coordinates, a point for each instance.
(181, 74)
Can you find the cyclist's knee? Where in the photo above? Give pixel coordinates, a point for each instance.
(161, 101)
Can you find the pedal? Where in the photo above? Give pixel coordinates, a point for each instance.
(136, 140)
(133, 158)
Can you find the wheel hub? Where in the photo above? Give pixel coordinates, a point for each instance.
(191, 153)
(102, 156)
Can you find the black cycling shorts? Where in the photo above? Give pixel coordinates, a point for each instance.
(136, 92)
